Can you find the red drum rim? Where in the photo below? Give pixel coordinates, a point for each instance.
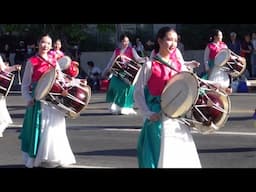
(225, 99)
(74, 115)
(7, 76)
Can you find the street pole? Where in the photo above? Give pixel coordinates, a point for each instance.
(118, 31)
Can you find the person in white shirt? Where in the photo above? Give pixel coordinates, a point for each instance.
(139, 47)
(94, 74)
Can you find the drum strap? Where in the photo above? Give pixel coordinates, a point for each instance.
(46, 60)
(165, 63)
(168, 65)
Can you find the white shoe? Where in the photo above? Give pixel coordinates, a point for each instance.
(30, 163)
(115, 109)
(128, 111)
(1, 134)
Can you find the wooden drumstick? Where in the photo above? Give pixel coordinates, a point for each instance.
(19, 76)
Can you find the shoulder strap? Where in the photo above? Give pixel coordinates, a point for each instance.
(46, 61)
(164, 62)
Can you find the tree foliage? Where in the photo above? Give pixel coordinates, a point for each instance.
(71, 34)
(194, 36)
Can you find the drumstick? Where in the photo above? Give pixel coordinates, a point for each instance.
(19, 78)
(69, 95)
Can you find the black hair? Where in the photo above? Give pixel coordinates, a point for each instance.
(123, 36)
(213, 34)
(43, 35)
(90, 63)
(58, 39)
(160, 35)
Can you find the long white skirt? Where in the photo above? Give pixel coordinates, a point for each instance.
(178, 149)
(219, 76)
(5, 118)
(54, 148)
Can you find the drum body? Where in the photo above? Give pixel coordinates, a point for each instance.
(104, 84)
(68, 66)
(49, 90)
(211, 110)
(72, 70)
(230, 62)
(64, 62)
(126, 69)
(6, 81)
(195, 102)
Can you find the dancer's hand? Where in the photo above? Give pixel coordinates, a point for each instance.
(64, 93)
(31, 103)
(155, 117)
(228, 90)
(18, 67)
(194, 63)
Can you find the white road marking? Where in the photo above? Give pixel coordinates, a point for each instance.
(138, 130)
(121, 129)
(230, 133)
(15, 126)
(87, 167)
(195, 132)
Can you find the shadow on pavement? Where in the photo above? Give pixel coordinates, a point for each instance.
(239, 118)
(82, 127)
(13, 166)
(226, 150)
(112, 152)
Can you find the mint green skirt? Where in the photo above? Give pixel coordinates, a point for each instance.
(31, 128)
(149, 142)
(120, 93)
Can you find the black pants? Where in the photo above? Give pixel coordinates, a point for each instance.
(94, 83)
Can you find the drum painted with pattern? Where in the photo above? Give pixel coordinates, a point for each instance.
(69, 66)
(49, 89)
(196, 102)
(230, 62)
(126, 69)
(6, 81)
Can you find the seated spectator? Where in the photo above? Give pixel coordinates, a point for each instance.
(31, 50)
(246, 51)
(253, 54)
(180, 45)
(6, 53)
(94, 74)
(149, 46)
(139, 47)
(234, 44)
(21, 55)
